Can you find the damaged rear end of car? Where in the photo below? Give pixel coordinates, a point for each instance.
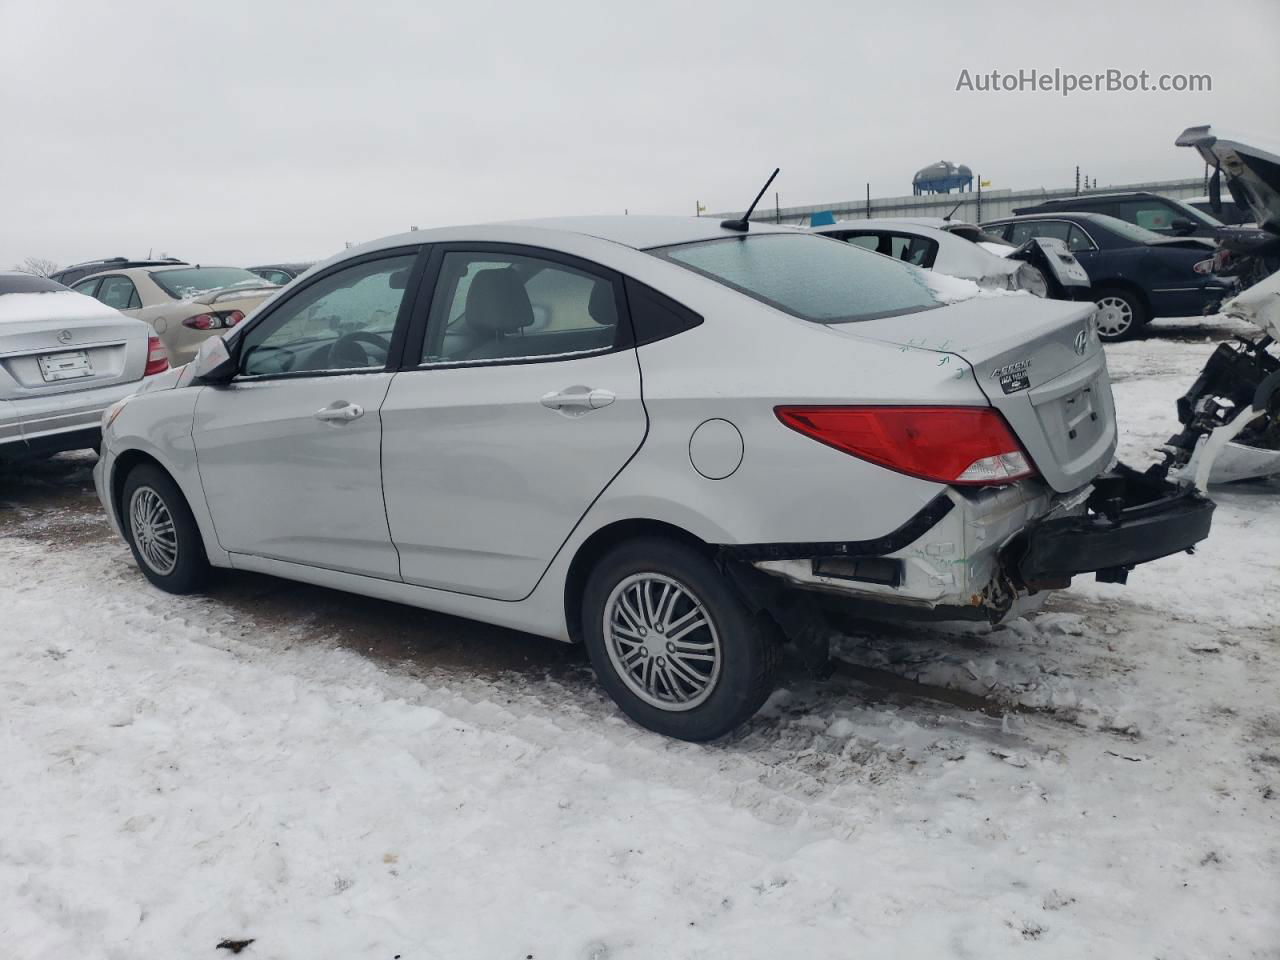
(1027, 494)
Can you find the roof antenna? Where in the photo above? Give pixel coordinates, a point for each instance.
(947, 218)
(741, 224)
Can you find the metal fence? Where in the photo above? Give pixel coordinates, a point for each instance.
(973, 207)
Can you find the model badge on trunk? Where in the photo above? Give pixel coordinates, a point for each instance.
(1013, 376)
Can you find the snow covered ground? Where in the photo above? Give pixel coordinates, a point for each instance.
(337, 777)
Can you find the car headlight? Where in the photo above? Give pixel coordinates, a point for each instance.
(113, 411)
(1030, 279)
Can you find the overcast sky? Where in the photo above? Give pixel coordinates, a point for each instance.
(244, 132)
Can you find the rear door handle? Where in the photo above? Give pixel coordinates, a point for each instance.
(339, 412)
(577, 400)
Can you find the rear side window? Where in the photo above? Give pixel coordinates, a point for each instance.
(808, 276)
(119, 293)
(1077, 239)
(1057, 229)
(499, 307)
(655, 316)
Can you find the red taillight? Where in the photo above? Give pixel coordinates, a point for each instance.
(232, 318)
(971, 446)
(157, 359)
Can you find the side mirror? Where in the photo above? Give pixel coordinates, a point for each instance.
(213, 362)
(1182, 227)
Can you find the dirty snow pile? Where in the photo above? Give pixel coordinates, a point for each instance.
(1102, 780)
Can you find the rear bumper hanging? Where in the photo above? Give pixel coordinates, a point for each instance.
(1131, 518)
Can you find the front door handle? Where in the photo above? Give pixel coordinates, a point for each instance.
(577, 400)
(339, 412)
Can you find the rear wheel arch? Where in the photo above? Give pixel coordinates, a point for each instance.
(600, 543)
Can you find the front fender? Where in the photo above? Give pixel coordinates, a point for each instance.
(158, 426)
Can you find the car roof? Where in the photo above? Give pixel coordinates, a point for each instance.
(1118, 194)
(926, 224)
(298, 265)
(123, 261)
(1056, 214)
(637, 232)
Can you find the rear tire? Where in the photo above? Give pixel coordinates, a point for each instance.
(162, 532)
(672, 642)
(1121, 314)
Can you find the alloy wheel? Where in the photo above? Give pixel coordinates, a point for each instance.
(153, 531)
(661, 641)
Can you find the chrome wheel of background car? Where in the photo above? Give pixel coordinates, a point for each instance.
(1115, 316)
(153, 531)
(661, 641)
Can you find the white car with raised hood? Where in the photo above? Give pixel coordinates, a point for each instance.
(677, 441)
(64, 358)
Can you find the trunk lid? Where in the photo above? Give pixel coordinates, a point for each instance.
(52, 343)
(1039, 362)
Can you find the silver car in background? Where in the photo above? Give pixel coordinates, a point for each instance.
(64, 358)
(675, 441)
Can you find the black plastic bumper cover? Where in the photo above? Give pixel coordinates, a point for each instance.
(1132, 518)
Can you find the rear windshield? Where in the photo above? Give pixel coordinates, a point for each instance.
(24, 283)
(194, 280)
(808, 276)
(1127, 230)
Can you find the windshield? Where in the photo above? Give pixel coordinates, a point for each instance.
(1196, 214)
(811, 277)
(191, 281)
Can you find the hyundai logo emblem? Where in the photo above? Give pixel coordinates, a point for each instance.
(64, 336)
(1082, 341)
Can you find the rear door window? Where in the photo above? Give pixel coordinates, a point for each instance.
(119, 292)
(496, 307)
(1149, 214)
(1022, 232)
(87, 287)
(1078, 240)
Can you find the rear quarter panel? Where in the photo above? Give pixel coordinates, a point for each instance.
(741, 362)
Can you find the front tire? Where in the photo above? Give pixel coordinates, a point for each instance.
(673, 644)
(162, 532)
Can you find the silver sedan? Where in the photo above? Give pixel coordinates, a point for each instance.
(64, 358)
(679, 442)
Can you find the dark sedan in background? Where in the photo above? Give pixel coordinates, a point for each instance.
(1136, 274)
